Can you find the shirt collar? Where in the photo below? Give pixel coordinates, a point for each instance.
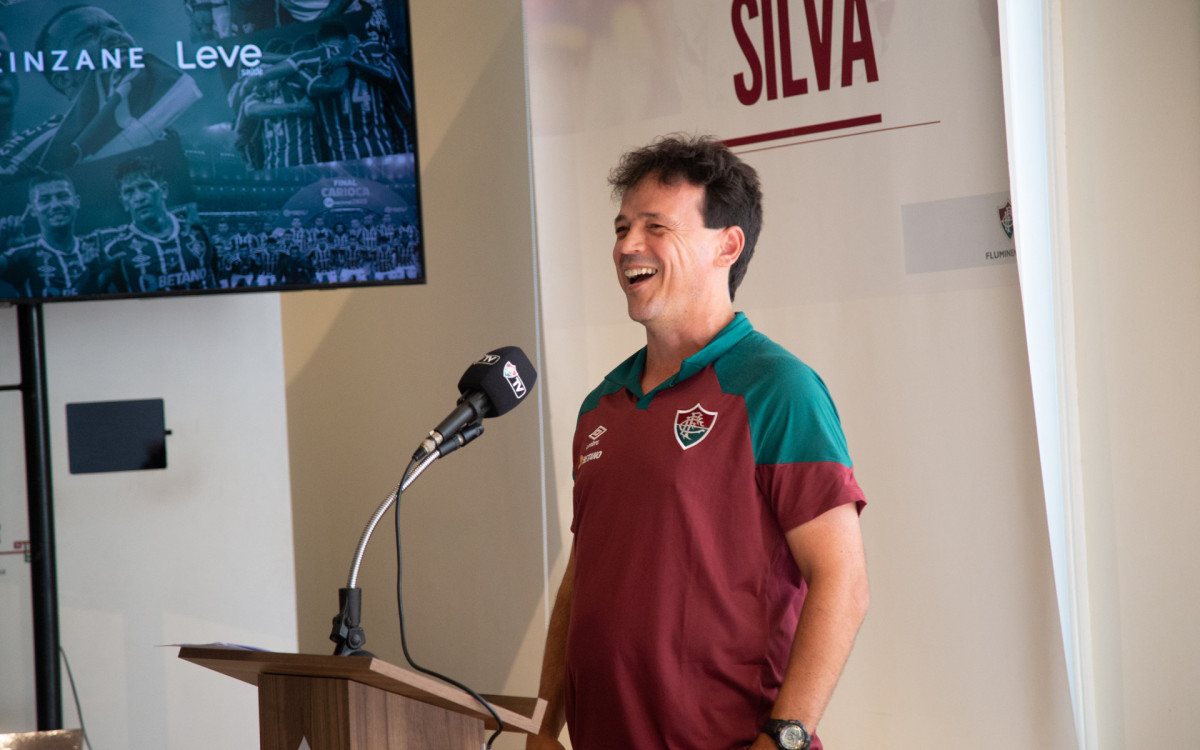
(629, 373)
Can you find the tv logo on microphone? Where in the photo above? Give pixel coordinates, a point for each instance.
(514, 379)
(489, 359)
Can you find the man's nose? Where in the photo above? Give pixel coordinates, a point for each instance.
(632, 241)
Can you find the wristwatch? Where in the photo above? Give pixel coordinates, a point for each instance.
(787, 734)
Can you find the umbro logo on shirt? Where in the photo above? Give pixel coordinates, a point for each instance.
(595, 440)
(693, 425)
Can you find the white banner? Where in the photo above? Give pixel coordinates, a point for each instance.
(885, 262)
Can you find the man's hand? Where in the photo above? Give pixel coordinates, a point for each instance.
(10, 229)
(762, 743)
(542, 742)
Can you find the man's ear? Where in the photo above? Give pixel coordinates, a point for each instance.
(60, 81)
(732, 240)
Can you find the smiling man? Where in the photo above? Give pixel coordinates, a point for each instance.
(717, 578)
(56, 263)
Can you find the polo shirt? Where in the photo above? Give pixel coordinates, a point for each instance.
(686, 595)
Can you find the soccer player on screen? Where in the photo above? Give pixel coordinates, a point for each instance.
(355, 95)
(19, 152)
(113, 109)
(8, 91)
(56, 263)
(157, 251)
(284, 113)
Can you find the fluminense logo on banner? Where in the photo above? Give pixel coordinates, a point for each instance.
(1006, 220)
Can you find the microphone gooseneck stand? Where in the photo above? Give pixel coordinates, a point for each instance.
(348, 635)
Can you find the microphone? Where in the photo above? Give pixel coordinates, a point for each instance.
(491, 386)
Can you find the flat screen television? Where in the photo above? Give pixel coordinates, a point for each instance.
(163, 147)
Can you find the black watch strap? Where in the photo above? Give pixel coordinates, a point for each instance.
(787, 734)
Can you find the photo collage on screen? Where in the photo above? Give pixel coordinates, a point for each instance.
(190, 146)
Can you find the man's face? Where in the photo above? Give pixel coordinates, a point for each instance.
(223, 228)
(144, 198)
(671, 267)
(87, 28)
(295, 222)
(54, 204)
(8, 82)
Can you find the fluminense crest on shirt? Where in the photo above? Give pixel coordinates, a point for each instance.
(693, 425)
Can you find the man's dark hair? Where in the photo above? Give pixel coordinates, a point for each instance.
(732, 193)
(332, 30)
(47, 177)
(43, 39)
(305, 42)
(139, 165)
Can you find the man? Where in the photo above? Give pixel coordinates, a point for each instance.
(321, 255)
(319, 232)
(56, 263)
(355, 95)
(222, 243)
(284, 117)
(113, 110)
(20, 152)
(296, 237)
(157, 251)
(9, 90)
(266, 262)
(386, 230)
(717, 579)
(244, 241)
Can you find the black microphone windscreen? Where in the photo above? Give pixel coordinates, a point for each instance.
(504, 375)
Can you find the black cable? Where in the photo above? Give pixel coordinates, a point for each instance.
(75, 694)
(404, 638)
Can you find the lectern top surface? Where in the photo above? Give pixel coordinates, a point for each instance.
(518, 714)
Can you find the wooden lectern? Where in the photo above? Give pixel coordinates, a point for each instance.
(311, 702)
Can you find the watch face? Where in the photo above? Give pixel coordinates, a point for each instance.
(791, 737)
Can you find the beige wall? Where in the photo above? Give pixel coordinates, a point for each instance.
(369, 372)
(1133, 155)
(198, 552)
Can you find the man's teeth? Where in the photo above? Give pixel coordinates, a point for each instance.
(638, 274)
